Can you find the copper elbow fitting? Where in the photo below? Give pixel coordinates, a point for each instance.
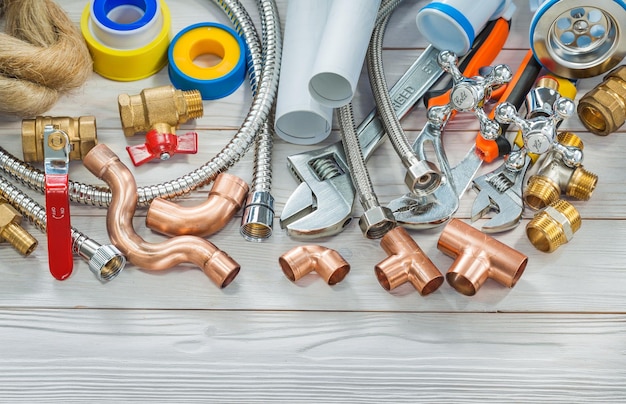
(328, 263)
(406, 263)
(554, 177)
(216, 264)
(478, 257)
(553, 226)
(225, 199)
(162, 108)
(603, 109)
(81, 132)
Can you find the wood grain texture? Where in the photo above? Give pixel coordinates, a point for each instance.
(557, 336)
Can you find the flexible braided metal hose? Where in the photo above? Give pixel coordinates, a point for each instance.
(264, 87)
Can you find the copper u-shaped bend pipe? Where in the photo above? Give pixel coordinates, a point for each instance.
(216, 264)
(225, 199)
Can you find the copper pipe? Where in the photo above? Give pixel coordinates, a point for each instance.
(328, 263)
(406, 263)
(216, 264)
(478, 257)
(225, 199)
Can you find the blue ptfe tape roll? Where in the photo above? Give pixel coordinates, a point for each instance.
(208, 38)
(102, 8)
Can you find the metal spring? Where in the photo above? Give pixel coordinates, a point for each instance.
(325, 168)
(269, 54)
(500, 182)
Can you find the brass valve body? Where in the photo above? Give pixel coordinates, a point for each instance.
(603, 109)
(554, 177)
(162, 108)
(553, 226)
(81, 132)
(11, 231)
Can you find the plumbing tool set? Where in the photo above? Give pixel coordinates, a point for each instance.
(319, 68)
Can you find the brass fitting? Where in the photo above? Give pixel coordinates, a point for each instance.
(11, 231)
(406, 263)
(477, 258)
(81, 132)
(162, 108)
(556, 175)
(553, 226)
(603, 109)
(225, 199)
(328, 263)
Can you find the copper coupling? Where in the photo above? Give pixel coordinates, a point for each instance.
(328, 263)
(216, 264)
(80, 131)
(557, 174)
(478, 257)
(225, 199)
(162, 108)
(406, 263)
(553, 226)
(603, 109)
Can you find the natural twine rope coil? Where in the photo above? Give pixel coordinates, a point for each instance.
(42, 54)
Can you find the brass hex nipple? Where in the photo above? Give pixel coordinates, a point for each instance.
(328, 263)
(225, 199)
(603, 109)
(162, 108)
(555, 176)
(406, 263)
(553, 226)
(216, 264)
(12, 232)
(81, 132)
(477, 258)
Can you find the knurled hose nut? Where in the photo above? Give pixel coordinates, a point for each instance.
(164, 105)
(376, 222)
(603, 109)
(553, 226)
(81, 131)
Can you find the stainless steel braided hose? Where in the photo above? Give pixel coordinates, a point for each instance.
(264, 86)
(422, 177)
(105, 261)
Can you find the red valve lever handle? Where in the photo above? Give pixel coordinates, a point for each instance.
(58, 227)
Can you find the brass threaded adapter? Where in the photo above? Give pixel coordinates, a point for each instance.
(553, 226)
(12, 232)
(540, 192)
(582, 184)
(81, 132)
(164, 106)
(603, 109)
(570, 139)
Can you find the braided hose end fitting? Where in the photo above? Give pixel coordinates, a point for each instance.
(257, 221)
(553, 226)
(423, 178)
(105, 261)
(376, 222)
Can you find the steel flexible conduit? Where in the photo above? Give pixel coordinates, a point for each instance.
(264, 88)
(422, 177)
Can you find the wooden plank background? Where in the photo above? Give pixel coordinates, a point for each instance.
(558, 336)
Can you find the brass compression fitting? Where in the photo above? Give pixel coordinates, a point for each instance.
(81, 132)
(553, 226)
(12, 231)
(162, 108)
(603, 109)
(560, 171)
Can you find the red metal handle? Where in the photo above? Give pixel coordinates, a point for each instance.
(58, 227)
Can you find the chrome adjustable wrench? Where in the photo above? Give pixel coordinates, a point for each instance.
(322, 203)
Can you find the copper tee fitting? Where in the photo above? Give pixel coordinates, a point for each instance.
(406, 263)
(328, 263)
(162, 108)
(553, 226)
(603, 109)
(225, 199)
(81, 132)
(216, 264)
(554, 177)
(478, 257)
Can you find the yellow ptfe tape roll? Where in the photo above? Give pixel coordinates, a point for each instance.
(127, 50)
(208, 38)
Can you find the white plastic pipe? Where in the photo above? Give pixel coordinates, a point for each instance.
(342, 51)
(299, 118)
(453, 24)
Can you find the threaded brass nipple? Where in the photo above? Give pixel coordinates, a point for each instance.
(570, 139)
(541, 191)
(582, 184)
(553, 226)
(193, 99)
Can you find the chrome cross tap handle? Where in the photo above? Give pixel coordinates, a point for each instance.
(468, 94)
